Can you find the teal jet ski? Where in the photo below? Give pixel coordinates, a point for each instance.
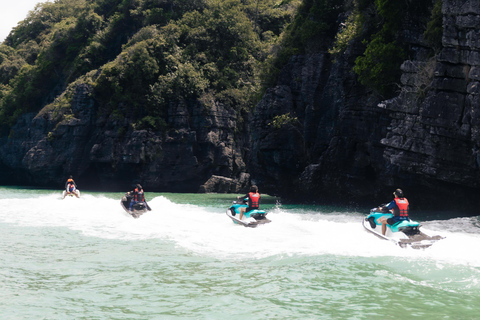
(405, 233)
(250, 219)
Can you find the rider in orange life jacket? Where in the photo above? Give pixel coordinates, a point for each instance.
(253, 200)
(399, 206)
(137, 194)
(71, 186)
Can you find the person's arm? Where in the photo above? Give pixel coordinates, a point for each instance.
(385, 208)
(243, 198)
(391, 205)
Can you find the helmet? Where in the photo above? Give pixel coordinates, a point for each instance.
(399, 193)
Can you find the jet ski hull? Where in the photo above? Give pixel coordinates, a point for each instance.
(250, 219)
(75, 194)
(138, 208)
(405, 233)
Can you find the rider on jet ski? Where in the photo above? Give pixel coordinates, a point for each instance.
(71, 186)
(399, 206)
(137, 196)
(253, 200)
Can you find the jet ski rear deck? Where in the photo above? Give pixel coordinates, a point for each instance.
(250, 219)
(405, 233)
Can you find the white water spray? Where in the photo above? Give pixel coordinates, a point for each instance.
(208, 231)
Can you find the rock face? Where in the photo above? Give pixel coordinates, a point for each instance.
(101, 155)
(333, 152)
(434, 141)
(338, 142)
(350, 146)
(219, 184)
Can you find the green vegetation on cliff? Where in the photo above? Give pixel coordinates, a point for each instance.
(140, 57)
(312, 30)
(386, 46)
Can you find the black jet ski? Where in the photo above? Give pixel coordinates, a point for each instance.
(250, 219)
(405, 233)
(138, 208)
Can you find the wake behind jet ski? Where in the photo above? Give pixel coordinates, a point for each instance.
(133, 202)
(405, 233)
(250, 219)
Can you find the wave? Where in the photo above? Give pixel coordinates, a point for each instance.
(208, 231)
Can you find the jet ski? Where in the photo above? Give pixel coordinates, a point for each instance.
(250, 219)
(138, 208)
(405, 233)
(75, 193)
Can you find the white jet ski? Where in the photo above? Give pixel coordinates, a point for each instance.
(250, 219)
(75, 193)
(405, 233)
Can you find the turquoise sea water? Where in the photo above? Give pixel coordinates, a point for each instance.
(86, 259)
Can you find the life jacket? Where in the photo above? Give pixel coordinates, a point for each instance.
(71, 186)
(138, 195)
(402, 208)
(253, 200)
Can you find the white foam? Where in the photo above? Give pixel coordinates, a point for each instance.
(208, 231)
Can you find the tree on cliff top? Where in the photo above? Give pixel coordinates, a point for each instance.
(139, 55)
(386, 48)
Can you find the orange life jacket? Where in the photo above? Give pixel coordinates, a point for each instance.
(402, 208)
(138, 196)
(253, 200)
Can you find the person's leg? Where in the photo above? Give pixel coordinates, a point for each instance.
(389, 221)
(242, 211)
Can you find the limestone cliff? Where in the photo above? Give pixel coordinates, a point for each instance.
(353, 147)
(101, 155)
(342, 141)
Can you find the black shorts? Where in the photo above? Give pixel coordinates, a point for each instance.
(250, 209)
(391, 221)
